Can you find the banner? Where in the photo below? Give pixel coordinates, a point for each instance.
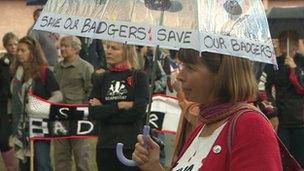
(164, 117)
(165, 114)
(125, 32)
(48, 129)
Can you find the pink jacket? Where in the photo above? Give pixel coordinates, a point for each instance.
(254, 148)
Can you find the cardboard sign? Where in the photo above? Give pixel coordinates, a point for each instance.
(236, 47)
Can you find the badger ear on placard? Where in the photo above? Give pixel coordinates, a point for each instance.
(163, 5)
(233, 7)
(101, 2)
(160, 5)
(175, 6)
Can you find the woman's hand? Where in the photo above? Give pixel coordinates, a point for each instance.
(274, 122)
(100, 71)
(125, 105)
(95, 102)
(147, 159)
(290, 62)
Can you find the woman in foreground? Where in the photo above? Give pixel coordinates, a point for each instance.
(222, 85)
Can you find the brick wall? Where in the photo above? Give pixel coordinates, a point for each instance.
(285, 3)
(15, 17)
(282, 3)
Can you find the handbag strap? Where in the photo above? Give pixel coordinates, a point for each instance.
(288, 161)
(231, 129)
(233, 121)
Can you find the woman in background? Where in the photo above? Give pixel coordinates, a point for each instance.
(30, 73)
(118, 102)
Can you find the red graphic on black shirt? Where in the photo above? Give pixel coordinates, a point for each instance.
(130, 80)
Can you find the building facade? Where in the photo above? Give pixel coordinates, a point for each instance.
(15, 17)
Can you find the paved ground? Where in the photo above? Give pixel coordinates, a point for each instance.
(1, 164)
(2, 168)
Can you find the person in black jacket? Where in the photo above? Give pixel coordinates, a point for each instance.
(93, 52)
(289, 93)
(118, 102)
(10, 42)
(262, 101)
(160, 81)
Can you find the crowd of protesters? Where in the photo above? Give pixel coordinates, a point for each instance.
(61, 68)
(114, 78)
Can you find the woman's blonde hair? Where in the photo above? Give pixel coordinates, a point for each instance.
(37, 59)
(8, 37)
(73, 41)
(129, 51)
(235, 80)
(131, 56)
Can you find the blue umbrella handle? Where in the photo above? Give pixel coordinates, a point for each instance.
(119, 149)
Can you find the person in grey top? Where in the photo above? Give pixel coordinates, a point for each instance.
(48, 41)
(92, 51)
(74, 77)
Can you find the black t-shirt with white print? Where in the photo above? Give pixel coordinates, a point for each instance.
(119, 125)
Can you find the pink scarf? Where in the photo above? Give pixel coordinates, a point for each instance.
(120, 67)
(217, 111)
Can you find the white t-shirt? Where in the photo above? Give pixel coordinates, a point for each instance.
(198, 150)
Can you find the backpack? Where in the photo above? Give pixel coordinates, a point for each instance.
(42, 73)
(42, 76)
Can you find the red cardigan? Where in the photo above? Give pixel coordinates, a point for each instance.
(254, 148)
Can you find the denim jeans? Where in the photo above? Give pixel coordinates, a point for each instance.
(42, 156)
(24, 166)
(293, 138)
(162, 156)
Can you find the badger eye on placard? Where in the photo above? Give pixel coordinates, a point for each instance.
(160, 5)
(101, 2)
(233, 7)
(163, 5)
